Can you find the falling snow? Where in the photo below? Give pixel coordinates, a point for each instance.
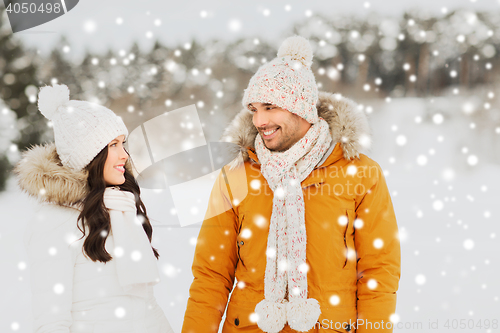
(439, 154)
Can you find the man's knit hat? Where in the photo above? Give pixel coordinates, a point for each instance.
(81, 129)
(287, 81)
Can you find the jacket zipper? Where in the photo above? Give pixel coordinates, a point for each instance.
(345, 241)
(242, 242)
(239, 256)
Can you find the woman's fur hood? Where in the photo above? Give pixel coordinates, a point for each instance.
(348, 125)
(41, 174)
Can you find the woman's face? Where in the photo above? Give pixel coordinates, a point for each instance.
(114, 168)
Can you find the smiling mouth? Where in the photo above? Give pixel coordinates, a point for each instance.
(120, 168)
(270, 133)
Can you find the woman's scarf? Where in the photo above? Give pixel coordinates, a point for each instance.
(135, 260)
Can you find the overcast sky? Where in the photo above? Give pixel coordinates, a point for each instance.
(98, 25)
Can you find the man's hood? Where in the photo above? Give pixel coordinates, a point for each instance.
(348, 126)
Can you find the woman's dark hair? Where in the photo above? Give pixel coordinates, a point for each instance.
(95, 216)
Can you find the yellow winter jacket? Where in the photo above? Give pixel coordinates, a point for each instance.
(353, 249)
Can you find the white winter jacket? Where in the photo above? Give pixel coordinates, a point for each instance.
(70, 292)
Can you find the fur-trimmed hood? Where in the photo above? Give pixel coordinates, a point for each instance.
(41, 174)
(348, 125)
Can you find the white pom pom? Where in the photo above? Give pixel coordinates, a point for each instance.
(271, 316)
(298, 48)
(50, 98)
(303, 314)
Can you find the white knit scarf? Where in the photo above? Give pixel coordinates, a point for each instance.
(286, 265)
(135, 261)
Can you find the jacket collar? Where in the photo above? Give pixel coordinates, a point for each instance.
(348, 127)
(336, 154)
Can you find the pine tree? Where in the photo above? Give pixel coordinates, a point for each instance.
(17, 73)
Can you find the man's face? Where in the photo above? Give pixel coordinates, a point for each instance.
(279, 128)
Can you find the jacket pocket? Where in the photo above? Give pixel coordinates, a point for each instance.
(349, 248)
(239, 316)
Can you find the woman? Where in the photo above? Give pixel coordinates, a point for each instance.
(92, 264)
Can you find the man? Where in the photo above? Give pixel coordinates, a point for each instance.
(309, 232)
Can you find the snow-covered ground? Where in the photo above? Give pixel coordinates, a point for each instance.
(448, 214)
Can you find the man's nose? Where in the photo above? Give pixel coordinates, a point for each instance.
(260, 118)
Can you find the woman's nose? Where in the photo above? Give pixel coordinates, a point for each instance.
(124, 154)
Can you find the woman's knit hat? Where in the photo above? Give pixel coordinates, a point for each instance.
(81, 129)
(287, 81)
